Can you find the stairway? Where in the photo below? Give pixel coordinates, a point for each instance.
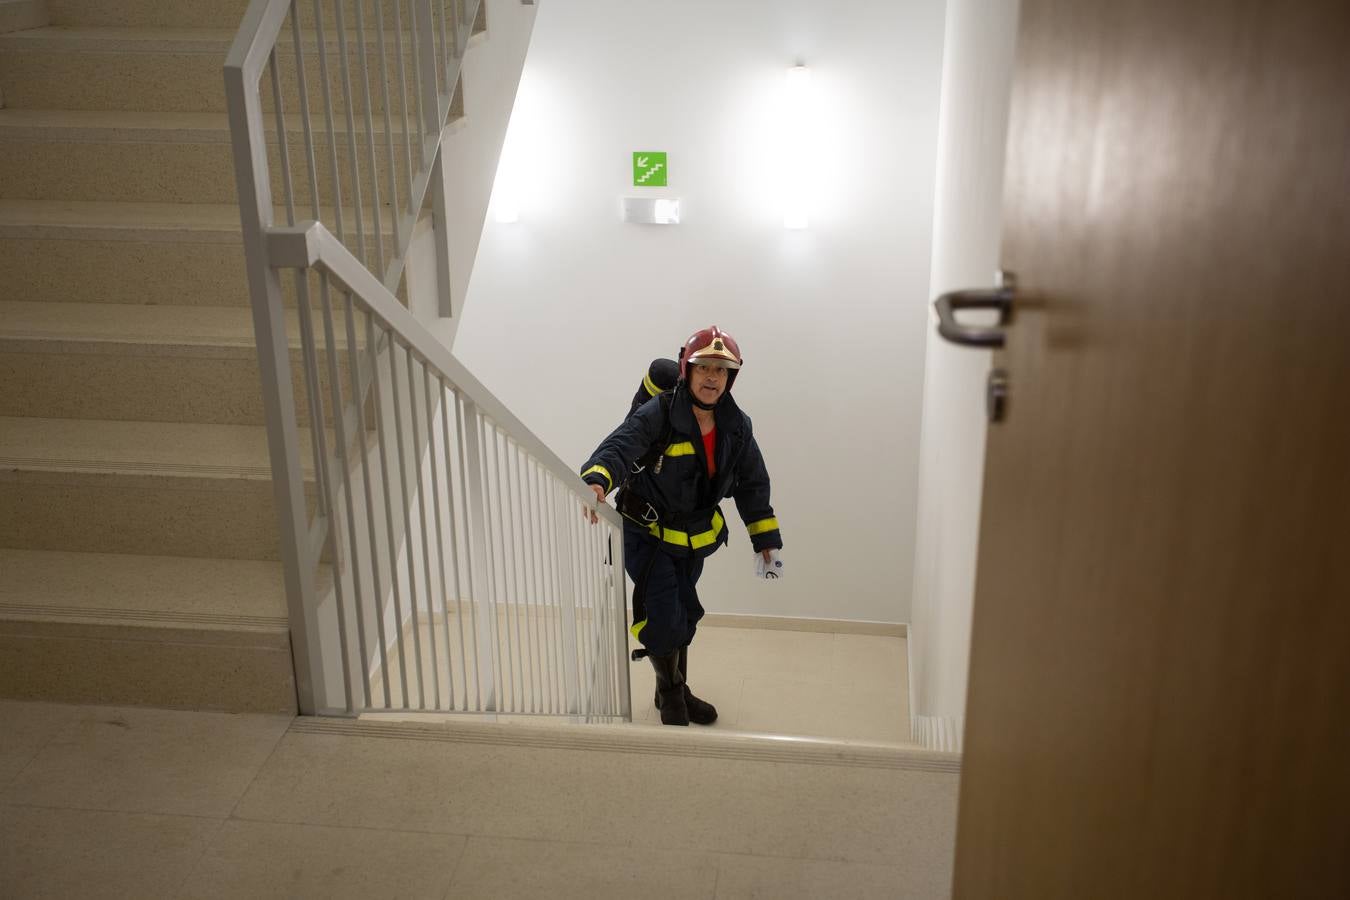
(138, 542)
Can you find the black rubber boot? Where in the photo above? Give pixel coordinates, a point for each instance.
(701, 712)
(670, 689)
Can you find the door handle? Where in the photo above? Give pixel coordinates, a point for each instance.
(999, 298)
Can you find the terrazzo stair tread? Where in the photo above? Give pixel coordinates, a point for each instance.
(93, 219)
(136, 253)
(157, 125)
(194, 633)
(226, 453)
(184, 13)
(151, 363)
(211, 331)
(153, 591)
(159, 488)
(152, 39)
(95, 155)
(170, 69)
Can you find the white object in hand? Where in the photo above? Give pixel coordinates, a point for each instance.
(771, 568)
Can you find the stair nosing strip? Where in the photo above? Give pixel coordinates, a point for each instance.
(158, 618)
(648, 741)
(96, 467)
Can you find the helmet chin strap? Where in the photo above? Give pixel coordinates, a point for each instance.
(708, 407)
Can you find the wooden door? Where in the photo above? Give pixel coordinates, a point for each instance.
(1160, 680)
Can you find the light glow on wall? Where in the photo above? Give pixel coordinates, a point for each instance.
(799, 156)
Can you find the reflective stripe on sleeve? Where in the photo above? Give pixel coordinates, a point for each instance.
(762, 526)
(609, 479)
(636, 629)
(652, 389)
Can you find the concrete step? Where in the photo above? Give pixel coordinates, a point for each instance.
(155, 488)
(167, 70)
(194, 364)
(144, 630)
(132, 253)
(202, 13)
(128, 156)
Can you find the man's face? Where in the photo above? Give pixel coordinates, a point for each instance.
(708, 382)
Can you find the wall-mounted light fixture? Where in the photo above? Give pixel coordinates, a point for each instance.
(798, 171)
(651, 210)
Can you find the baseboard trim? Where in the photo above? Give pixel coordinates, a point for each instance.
(790, 623)
(938, 733)
(643, 739)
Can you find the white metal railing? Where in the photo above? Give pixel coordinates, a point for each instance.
(435, 553)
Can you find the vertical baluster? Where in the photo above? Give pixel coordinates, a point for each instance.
(532, 573)
(535, 606)
(408, 140)
(348, 105)
(423, 527)
(385, 76)
(370, 135)
(371, 601)
(433, 458)
(324, 77)
(402, 468)
(417, 84)
(381, 421)
(470, 465)
(507, 575)
(556, 553)
(511, 505)
(449, 403)
(335, 388)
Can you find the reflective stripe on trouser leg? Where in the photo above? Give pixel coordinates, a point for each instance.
(666, 607)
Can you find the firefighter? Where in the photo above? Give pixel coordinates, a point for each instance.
(674, 459)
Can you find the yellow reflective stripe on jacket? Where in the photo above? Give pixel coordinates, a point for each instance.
(762, 526)
(609, 479)
(685, 449)
(652, 389)
(684, 539)
(636, 630)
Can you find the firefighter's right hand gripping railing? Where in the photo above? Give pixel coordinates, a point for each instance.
(435, 558)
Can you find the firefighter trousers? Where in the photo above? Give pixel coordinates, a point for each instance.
(666, 610)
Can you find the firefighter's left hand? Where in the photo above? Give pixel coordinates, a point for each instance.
(769, 564)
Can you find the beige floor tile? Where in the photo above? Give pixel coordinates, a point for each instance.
(444, 787)
(503, 869)
(86, 854)
(868, 659)
(768, 878)
(790, 706)
(884, 817)
(257, 860)
(150, 760)
(879, 714)
(803, 655)
(25, 728)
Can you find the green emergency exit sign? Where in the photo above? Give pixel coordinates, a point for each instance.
(649, 168)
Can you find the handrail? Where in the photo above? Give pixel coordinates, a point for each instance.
(410, 451)
(310, 244)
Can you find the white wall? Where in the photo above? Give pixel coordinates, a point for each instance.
(568, 306)
(977, 66)
(472, 146)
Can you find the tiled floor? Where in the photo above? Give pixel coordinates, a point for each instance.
(850, 687)
(106, 802)
(840, 686)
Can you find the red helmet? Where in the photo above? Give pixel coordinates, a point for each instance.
(711, 347)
